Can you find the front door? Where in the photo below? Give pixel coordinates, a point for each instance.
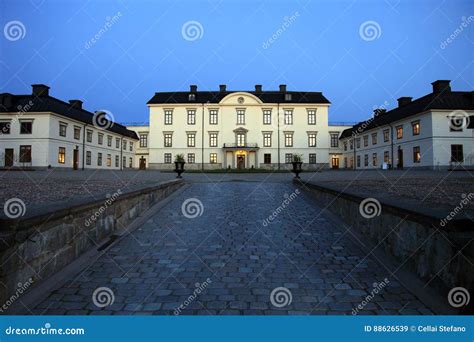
(400, 159)
(8, 157)
(241, 161)
(335, 162)
(75, 159)
(142, 163)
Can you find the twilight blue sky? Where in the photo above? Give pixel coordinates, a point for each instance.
(322, 48)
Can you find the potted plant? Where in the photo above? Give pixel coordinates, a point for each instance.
(297, 162)
(179, 164)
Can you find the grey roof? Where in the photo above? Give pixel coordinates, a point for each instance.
(51, 104)
(450, 100)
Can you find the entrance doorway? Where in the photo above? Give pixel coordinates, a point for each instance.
(241, 161)
(75, 159)
(142, 165)
(8, 157)
(335, 162)
(400, 158)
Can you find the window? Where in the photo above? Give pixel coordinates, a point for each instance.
(109, 160)
(109, 140)
(312, 158)
(240, 116)
(386, 135)
(267, 139)
(386, 157)
(117, 161)
(334, 139)
(358, 161)
(267, 116)
(88, 158)
(240, 139)
(191, 158)
(191, 139)
(124, 144)
(358, 142)
(26, 127)
(99, 159)
(311, 139)
(77, 133)
(130, 162)
(212, 139)
(351, 144)
(457, 154)
(62, 155)
(416, 154)
(288, 158)
(130, 146)
(366, 140)
(213, 158)
(117, 142)
(415, 127)
(124, 162)
(399, 132)
(366, 160)
(213, 117)
(100, 138)
(168, 140)
(345, 145)
(62, 129)
(192, 97)
(267, 158)
(167, 158)
(287, 97)
(168, 117)
(191, 117)
(311, 116)
(143, 140)
(288, 117)
(374, 138)
(288, 139)
(5, 127)
(25, 153)
(374, 159)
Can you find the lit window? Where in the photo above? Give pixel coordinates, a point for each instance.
(288, 139)
(416, 154)
(267, 139)
(191, 158)
(62, 155)
(191, 139)
(415, 127)
(213, 140)
(374, 159)
(168, 117)
(267, 116)
(399, 132)
(213, 117)
(213, 158)
(312, 140)
(288, 116)
(109, 160)
(143, 140)
(288, 158)
(311, 116)
(240, 116)
(334, 139)
(240, 139)
(386, 157)
(168, 140)
(167, 158)
(191, 117)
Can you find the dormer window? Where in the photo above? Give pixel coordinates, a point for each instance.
(287, 97)
(192, 97)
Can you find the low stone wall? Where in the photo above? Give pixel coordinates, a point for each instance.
(420, 238)
(48, 238)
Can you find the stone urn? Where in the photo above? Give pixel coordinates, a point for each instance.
(297, 168)
(179, 168)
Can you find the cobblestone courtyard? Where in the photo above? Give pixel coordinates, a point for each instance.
(236, 260)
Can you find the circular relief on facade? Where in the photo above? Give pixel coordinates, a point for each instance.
(240, 100)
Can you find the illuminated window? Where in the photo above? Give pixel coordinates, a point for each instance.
(213, 119)
(191, 117)
(109, 160)
(267, 116)
(288, 139)
(168, 117)
(334, 139)
(167, 158)
(416, 154)
(311, 139)
(213, 140)
(399, 132)
(288, 117)
(240, 116)
(415, 126)
(311, 116)
(267, 139)
(191, 158)
(143, 140)
(374, 159)
(213, 158)
(288, 158)
(62, 155)
(168, 140)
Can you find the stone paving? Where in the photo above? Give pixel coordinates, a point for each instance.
(244, 243)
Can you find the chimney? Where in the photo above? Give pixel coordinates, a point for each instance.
(6, 100)
(40, 90)
(258, 88)
(193, 88)
(440, 86)
(403, 101)
(76, 104)
(222, 88)
(282, 88)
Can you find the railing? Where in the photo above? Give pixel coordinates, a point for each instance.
(235, 145)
